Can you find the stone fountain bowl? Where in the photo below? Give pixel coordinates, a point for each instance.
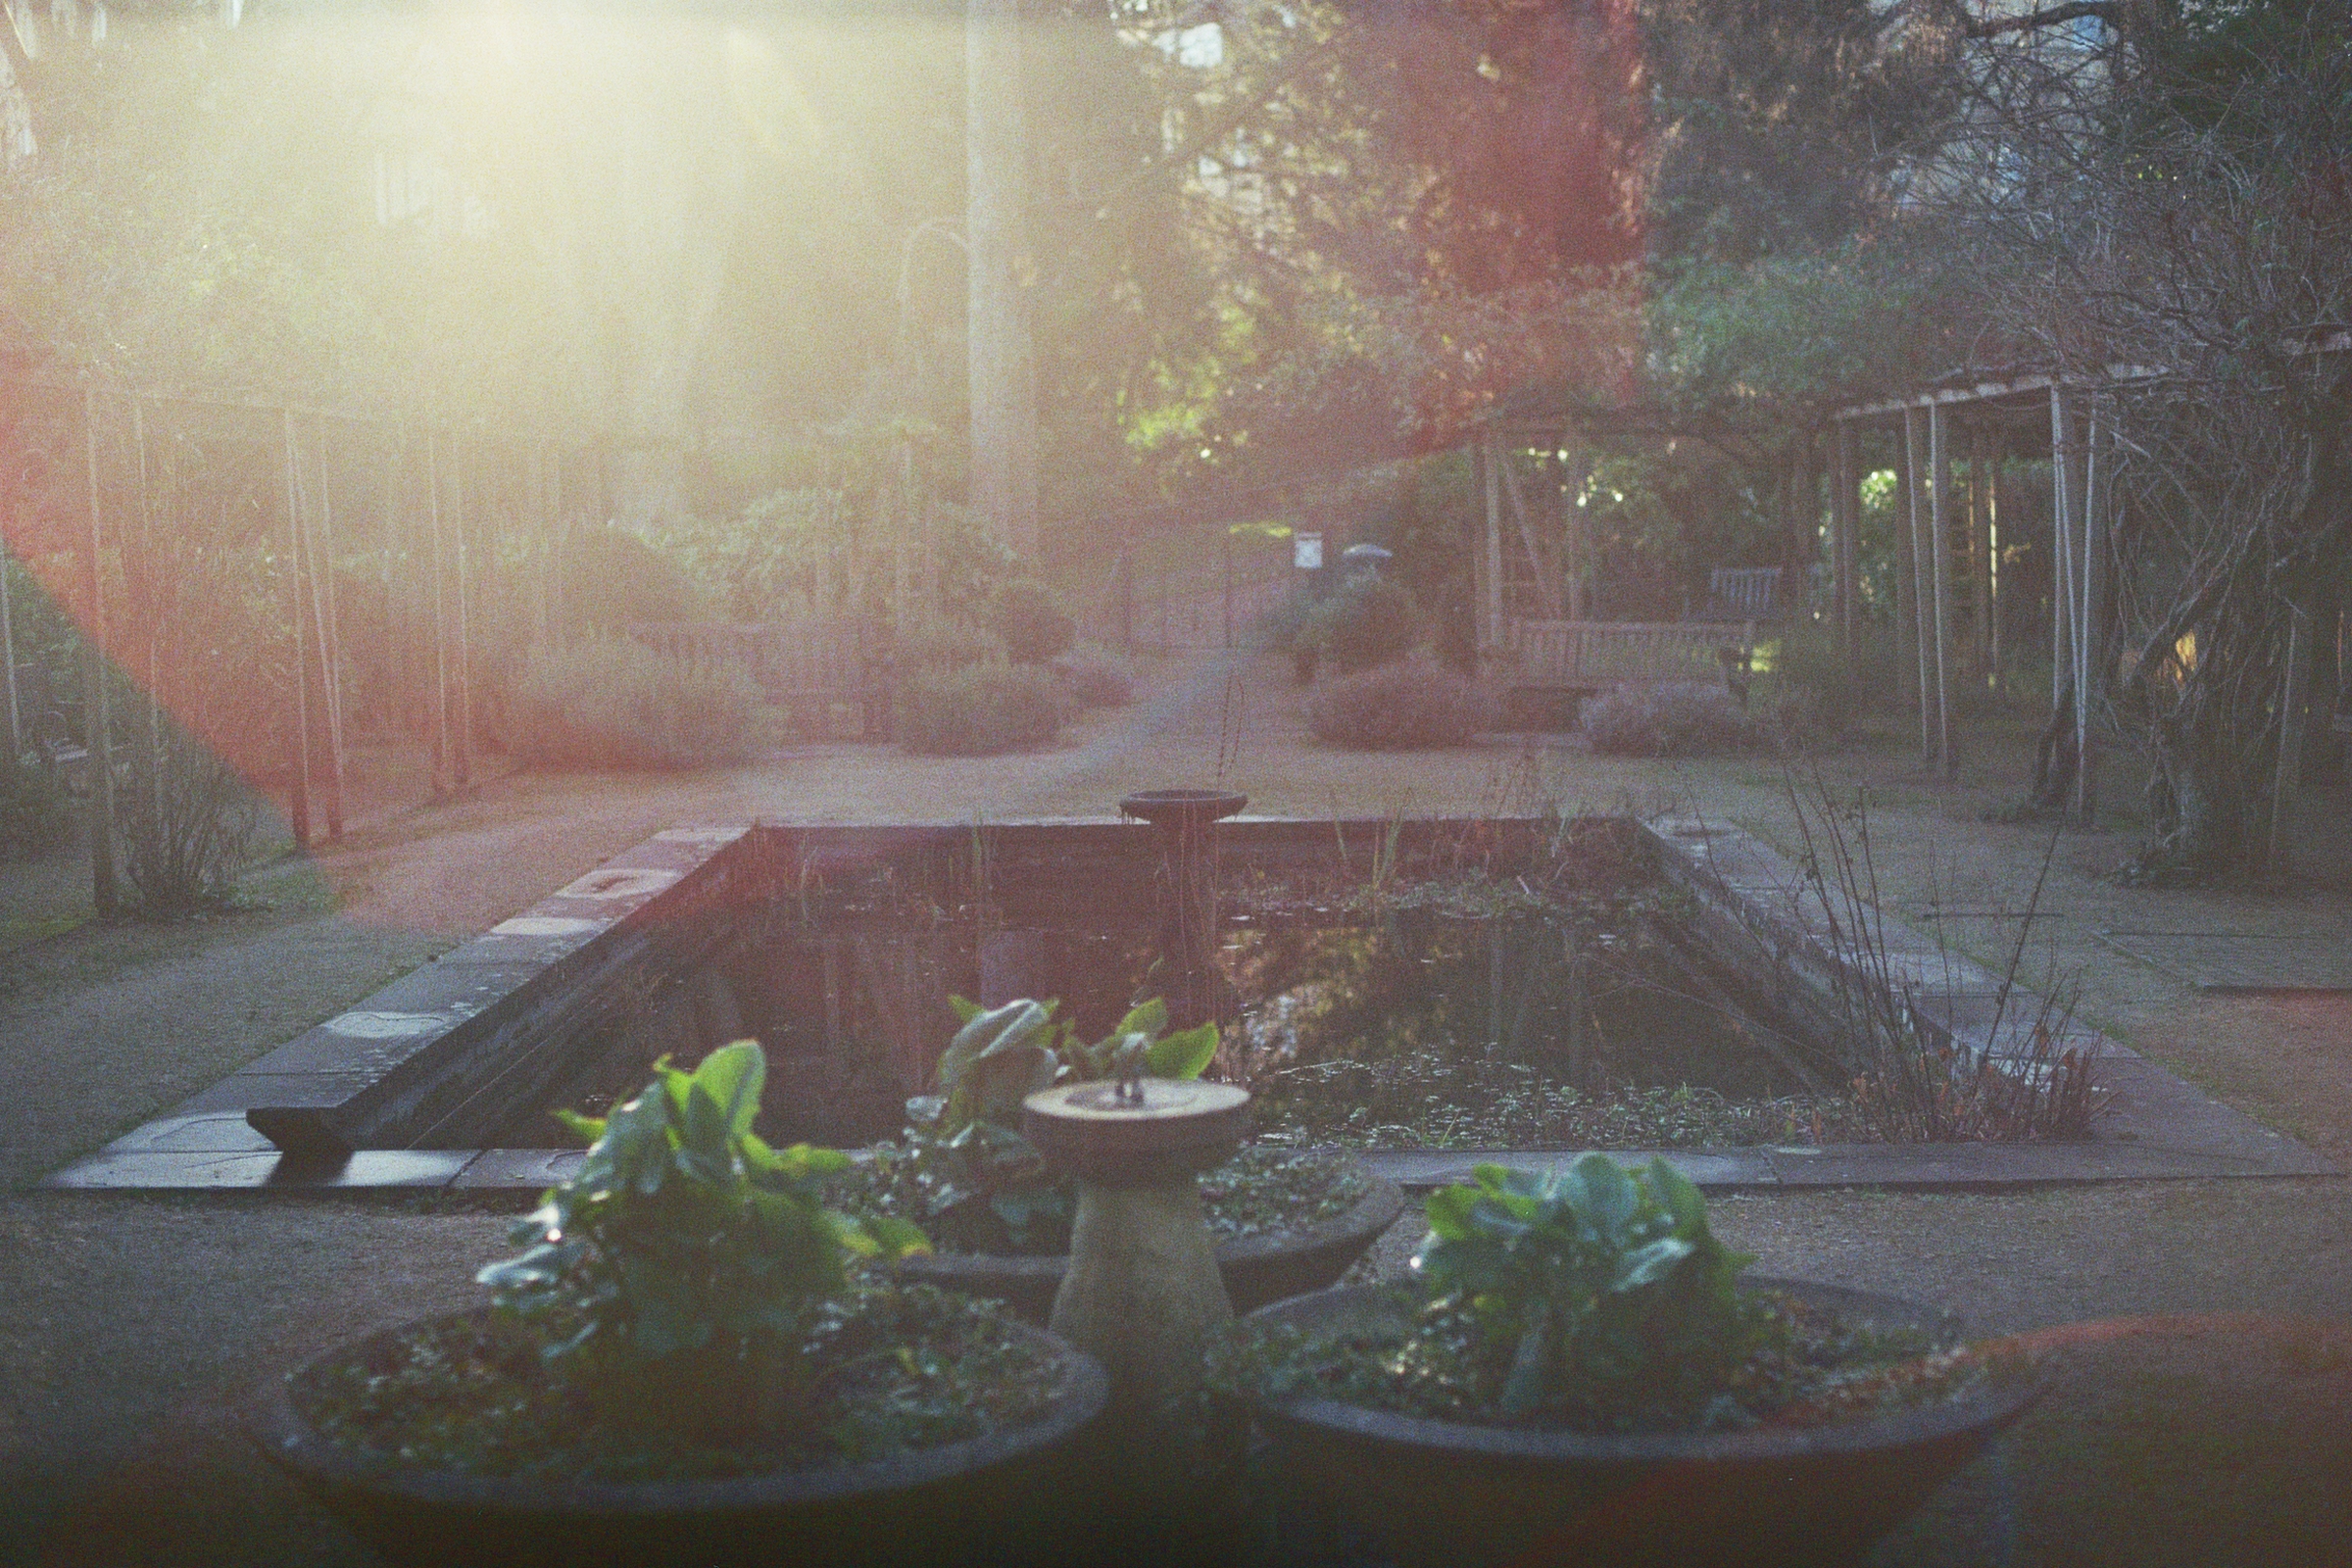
(1183, 809)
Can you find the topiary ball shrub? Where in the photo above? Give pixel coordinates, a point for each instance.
(1674, 718)
(1370, 622)
(1093, 676)
(1406, 705)
(980, 710)
(613, 703)
(1031, 620)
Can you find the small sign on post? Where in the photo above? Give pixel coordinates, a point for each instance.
(1306, 552)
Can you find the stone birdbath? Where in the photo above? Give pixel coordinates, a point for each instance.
(1143, 1289)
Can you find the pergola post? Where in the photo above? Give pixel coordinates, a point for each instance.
(8, 659)
(432, 514)
(2295, 702)
(1939, 526)
(1996, 591)
(463, 753)
(319, 556)
(1845, 513)
(2065, 502)
(1979, 553)
(1923, 611)
(301, 787)
(1493, 636)
(95, 728)
(2091, 619)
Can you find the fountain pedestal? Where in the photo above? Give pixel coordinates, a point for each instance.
(1143, 1289)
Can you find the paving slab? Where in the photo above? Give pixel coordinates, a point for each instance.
(1713, 1168)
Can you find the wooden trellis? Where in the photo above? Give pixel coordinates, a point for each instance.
(84, 494)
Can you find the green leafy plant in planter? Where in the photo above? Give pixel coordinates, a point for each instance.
(1578, 1368)
(682, 1273)
(1590, 1292)
(970, 1169)
(689, 1358)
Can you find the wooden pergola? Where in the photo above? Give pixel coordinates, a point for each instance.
(1979, 416)
(424, 503)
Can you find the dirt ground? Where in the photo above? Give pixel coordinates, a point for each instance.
(2218, 1431)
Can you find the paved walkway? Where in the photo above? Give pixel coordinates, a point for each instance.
(126, 1324)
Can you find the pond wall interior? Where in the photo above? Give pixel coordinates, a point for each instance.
(837, 946)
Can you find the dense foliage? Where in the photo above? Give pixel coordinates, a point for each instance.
(963, 1167)
(683, 1272)
(979, 709)
(1672, 718)
(1405, 705)
(1593, 1299)
(614, 702)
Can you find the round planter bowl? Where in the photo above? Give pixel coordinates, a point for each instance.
(970, 1500)
(1444, 1492)
(1257, 1269)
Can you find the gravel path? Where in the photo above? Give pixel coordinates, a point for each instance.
(127, 1324)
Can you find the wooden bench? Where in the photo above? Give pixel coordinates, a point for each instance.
(1553, 665)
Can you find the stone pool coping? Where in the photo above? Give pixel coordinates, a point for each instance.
(1751, 910)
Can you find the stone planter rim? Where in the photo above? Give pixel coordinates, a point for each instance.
(289, 1440)
(1986, 1408)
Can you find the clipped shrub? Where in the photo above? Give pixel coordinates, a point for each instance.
(1029, 618)
(37, 812)
(1405, 706)
(938, 645)
(613, 703)
(609, 576)
(1370, 622)
(1094, 676)
(980, 710)
(1674, 718)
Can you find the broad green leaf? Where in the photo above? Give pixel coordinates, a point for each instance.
(733, 1076)
(1523, 1390)
(1682, 1199)
(1448, 1210)
(1148, 1019)
(1184, 1056)
(897, 1237)
(588, 1129)
(1645, 1265)
(707, 1131)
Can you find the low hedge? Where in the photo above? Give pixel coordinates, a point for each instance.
(1406, 705)
(981, 709)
